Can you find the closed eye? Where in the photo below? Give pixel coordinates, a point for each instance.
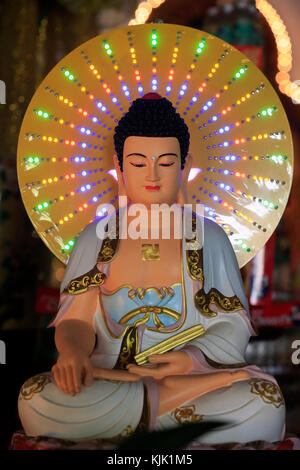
(167, 164)
(142, 164)
(137, 164)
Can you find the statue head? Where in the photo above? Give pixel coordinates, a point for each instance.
(151, 143)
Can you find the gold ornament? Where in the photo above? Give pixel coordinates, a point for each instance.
(149, 253)
(34, 385)
(186, 414)
(268, 391)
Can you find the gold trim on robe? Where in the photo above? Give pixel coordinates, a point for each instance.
(110, 246)
(94, 278)
(147, 310)
(228, 304)
(129, 349)
(202, 300)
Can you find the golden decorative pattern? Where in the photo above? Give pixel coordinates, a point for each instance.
(228, 304)
(109, 246)
(268, 391)
(170, 343)
(202, 300)
(147, 310)
(93, 278)
(128, 349)
(186, 414)
(194, 260)
(142, 291)
(149, 253)
(35, 385)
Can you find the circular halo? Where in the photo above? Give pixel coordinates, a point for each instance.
(240, 136)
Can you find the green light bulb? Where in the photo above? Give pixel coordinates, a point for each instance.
(154, 42)
(71, 243)
(67, 247)
(40, 113)
(238, 75)
(242, 71)
(45, 204)
(40, 207)
(36, 159)
(154, 36)
(71, 77)
(67, 73)
(30, 159)
(244, 245)
(46, 115)
(106, 46)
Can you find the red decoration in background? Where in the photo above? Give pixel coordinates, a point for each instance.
(46, 301)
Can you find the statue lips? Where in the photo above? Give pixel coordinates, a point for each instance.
(153, 188)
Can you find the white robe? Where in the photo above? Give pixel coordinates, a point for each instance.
(254, 408)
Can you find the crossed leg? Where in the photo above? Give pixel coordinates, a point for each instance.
(177, 389)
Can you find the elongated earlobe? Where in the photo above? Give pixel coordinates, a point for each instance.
(121, 186)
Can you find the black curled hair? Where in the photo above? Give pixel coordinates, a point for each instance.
(151, 118)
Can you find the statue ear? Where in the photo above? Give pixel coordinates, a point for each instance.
(182, 193)
(121, 186)
(187, 167)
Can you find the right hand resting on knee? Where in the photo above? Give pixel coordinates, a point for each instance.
(71, 371)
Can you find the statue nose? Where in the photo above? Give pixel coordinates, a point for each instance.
(152, 175)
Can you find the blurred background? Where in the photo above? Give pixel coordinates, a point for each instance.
(34, 36)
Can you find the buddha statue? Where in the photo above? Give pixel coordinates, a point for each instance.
(151, 331)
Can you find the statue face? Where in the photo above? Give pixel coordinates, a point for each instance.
(152, 169)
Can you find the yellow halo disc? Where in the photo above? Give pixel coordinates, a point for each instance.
(240, 136)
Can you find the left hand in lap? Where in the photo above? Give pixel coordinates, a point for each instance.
(170, 363)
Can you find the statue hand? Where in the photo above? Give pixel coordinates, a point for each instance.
(71, 370)
(170, 363)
